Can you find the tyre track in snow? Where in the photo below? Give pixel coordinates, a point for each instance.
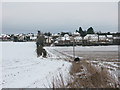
(22, 66)
(70, 58)
(60, 55)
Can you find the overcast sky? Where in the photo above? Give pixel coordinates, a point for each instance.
(55, 17)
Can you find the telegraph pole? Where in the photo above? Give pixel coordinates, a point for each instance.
(73, 47)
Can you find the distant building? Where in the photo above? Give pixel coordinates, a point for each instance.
(48, 40)
(33, 38)
(91, 37)
(102, 38)
(78, 40)
(110, 39)
(76, 34)
(5, 37)
(63, 40)
(0, 37)
(116, 40)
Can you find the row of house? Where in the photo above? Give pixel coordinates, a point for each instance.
(18, 37)
(89, 39)
(65, 39)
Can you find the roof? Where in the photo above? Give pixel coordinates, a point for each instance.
(55, 34)
(56, 42)
(66, 35)
(33, 38)
(102, 36)
(116, 37)
(91, 36)
(109, 36)
(78, 38)
(76, 33)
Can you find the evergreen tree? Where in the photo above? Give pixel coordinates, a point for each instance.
(49, 34)
(80, 30)
(83, 34)
(77, 31)
(90, 31)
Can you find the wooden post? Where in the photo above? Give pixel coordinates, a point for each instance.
(48, 41)
(98, 37)
(73, 47)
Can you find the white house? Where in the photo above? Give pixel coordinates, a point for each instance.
(55, 35)
(5, 37)
(33, 38)
(78, 39)
(66, 37)
(91, 37)
(48, 39)
(102, 38)
(110, 38)
(0, 37)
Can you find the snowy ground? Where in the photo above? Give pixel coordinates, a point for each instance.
(105, 56)
(22, 69)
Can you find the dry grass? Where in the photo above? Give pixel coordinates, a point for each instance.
(86, 75)
(58, 82)
(92, 77)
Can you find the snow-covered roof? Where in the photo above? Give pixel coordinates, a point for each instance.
(6, 36)
(55, 34)
(16, 34)
(109, 36)
(56, 42)
(47, 37)
(29, 34)
(3, 34)
(76, 33)
(21, 37)
(78, 38)
(91, 36)
(35, 34)
(33, 38)
(20, 34)
(66, 35)
(51, 39)
(116, 37)
(103, 36)
(114, 32)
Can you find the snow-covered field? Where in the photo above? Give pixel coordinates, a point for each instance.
(22, 69)
(106, 56)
